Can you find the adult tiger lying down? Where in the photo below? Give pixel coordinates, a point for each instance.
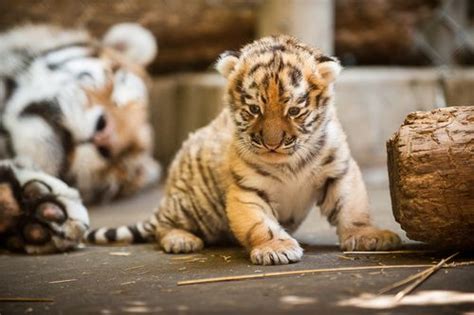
(73, 115)
(276, 150)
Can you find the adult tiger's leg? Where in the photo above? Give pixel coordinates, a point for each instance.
(38, 213)
(174, 224)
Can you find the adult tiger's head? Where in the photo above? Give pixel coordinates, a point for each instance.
(279, 91)
(78, 106)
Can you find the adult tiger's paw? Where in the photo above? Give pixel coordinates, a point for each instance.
(369, 238)
(38, 213)
(276, 252)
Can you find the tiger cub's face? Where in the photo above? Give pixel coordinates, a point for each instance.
(278, 91)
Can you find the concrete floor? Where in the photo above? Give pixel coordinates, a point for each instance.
(142, 279)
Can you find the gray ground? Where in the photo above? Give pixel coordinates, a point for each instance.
(143, 279)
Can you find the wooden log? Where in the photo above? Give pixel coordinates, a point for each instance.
(431, 172)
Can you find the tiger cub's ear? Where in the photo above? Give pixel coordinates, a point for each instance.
(329, 68)
(132, 40)
(226, 62)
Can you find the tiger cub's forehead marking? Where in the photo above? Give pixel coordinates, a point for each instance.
(273, 78)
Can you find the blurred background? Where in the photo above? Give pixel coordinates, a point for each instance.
(399, 56)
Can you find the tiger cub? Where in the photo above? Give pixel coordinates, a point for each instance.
(73, 115)
(252, 175)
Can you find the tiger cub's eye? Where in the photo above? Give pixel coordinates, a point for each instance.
(293, 111)
(254, 109)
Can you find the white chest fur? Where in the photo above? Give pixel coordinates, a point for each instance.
(293, 198)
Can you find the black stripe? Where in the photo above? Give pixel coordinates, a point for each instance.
(296, 76)
(262, 194)
(10, 88)
(327, 183)
(165, 219)
(324, 58)
(193, 213)
(281, 89)
(188, 215)
(313, 87)
(250, 204)
(260, 171)
(187, 164)
(270, 234)
(312, 154)
(9, 149)
(111, 235)
(137, 236)
(260, 65)
(329, 158)
(359, 224)
(249, 233)
(302, 98)
(313, 121)
(91, 236)
(65, 46)
(52, 114)
(265, 84)
(213, 180)
(333, 215)
(304, 113)
(239, 85)
(200, 221)
(323, 101)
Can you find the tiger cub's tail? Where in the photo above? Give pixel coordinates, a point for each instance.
(141, 232)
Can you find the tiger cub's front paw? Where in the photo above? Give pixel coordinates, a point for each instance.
(369, 238)
(276, 252)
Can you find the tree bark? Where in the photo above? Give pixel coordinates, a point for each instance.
(431, 171)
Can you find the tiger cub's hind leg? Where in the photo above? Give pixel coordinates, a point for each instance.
(173, 226)
(179, 241)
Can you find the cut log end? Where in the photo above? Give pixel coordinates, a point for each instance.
(431, 173)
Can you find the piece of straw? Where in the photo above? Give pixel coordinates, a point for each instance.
(400, 295)
(25, 299)
(295, 272)
(389, 252)
(62, 281)
(402, 282)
